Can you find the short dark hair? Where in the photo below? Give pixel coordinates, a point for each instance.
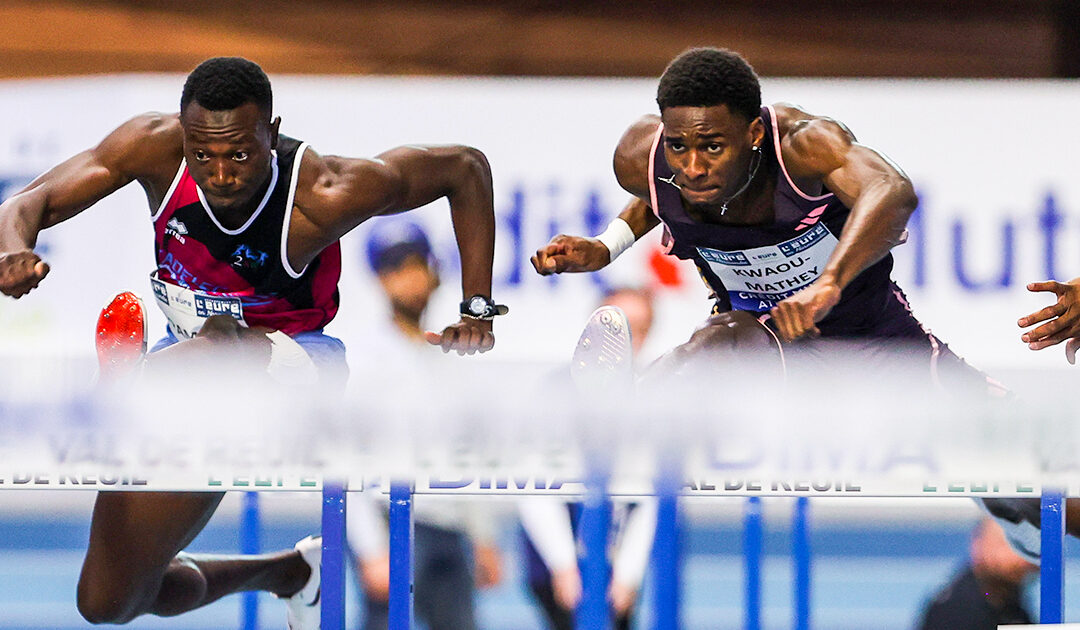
(703, 77)
(224, 83)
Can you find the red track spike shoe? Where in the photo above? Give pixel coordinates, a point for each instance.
(120, 336)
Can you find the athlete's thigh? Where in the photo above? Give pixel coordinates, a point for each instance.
(134, 535)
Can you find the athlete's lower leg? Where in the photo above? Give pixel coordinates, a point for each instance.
(132, 565)
(195, 580)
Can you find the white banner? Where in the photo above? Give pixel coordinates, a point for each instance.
(1000, 199)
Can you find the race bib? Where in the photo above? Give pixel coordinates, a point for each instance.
(756, 279)
(188, 310)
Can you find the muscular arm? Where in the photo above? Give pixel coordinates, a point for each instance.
(336, 194)
(133, 151)
(880, 196)
(578, 253)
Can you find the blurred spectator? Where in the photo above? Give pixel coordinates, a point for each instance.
(550, 524)
(987, 591)
(445, 531)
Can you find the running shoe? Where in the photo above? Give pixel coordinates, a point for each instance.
(603, 358)
(120, 336)
(302, 608)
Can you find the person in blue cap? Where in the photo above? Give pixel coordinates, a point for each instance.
(400, 255)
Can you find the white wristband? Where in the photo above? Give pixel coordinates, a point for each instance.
(617, 237)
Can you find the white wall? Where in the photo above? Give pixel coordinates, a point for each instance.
(983, 155)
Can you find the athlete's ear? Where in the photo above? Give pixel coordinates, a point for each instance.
(274, 125)
(757, 132)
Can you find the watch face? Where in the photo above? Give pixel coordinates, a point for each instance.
(477, 305)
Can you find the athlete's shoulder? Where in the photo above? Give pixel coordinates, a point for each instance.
(633, 153)
(796, 125)
(810, 140)
(144, 145)
(327, 183)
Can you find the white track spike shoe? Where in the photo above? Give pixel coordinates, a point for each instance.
(303, 609)
(603, 360)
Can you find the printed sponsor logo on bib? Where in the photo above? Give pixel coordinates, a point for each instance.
(186, 310)
(756, 279)
(208, 305)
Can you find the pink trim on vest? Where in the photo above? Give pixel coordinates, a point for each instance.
(780, 159)
(666, 240)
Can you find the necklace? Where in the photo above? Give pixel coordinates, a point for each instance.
(752, 170)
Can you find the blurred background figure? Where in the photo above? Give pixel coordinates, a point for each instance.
(987, 591)
(447, 532)
(550, 524)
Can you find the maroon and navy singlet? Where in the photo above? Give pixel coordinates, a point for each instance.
(242, 272)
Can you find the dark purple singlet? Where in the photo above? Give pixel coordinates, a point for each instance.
(751, 268)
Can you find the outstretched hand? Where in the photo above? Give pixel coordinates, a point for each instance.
(467, 336)
(20, 272)
(570, 254)
(799, 314)
(1062, 318)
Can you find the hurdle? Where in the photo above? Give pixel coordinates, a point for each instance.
(691, 475)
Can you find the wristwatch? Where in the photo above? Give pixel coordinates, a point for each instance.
(480, 307)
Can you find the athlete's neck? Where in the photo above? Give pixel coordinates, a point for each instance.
(232, 218)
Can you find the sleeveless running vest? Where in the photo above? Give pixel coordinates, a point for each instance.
(204, 269)
(752, 268)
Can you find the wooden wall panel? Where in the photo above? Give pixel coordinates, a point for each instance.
(986, 38)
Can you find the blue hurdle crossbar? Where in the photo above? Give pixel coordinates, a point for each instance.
(593, 611)
(753, 535)
(249, 544)
(401, 548)
(332, 596)
(666, 560)
(800, 549)
(1051, 570)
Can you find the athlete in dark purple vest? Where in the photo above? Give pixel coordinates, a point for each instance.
(787, 217)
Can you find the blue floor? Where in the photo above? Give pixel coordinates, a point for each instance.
(863, 577)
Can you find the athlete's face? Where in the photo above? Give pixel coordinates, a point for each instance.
(228, 152)
(709, 149)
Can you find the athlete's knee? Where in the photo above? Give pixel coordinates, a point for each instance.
(101, 601)
(220, 328)
(734, 331)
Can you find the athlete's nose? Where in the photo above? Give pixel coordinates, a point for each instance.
(221, 175)
(694, 167)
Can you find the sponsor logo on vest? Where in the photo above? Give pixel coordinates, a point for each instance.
(243, 257)
(176, 228)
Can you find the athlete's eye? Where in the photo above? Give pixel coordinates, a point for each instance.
(200, 155)
(714, 148)
(675, 146)
(240, 156)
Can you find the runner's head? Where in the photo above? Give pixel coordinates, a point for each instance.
(225, 110)
(710, 103)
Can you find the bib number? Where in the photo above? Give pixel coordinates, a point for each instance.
(756, 279)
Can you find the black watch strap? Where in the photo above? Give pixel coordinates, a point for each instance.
(482, 307)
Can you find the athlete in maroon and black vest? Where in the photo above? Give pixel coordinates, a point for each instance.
(244, 272)
(751, 268)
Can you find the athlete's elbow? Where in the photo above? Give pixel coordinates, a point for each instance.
(472, 163)
(903, 195)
